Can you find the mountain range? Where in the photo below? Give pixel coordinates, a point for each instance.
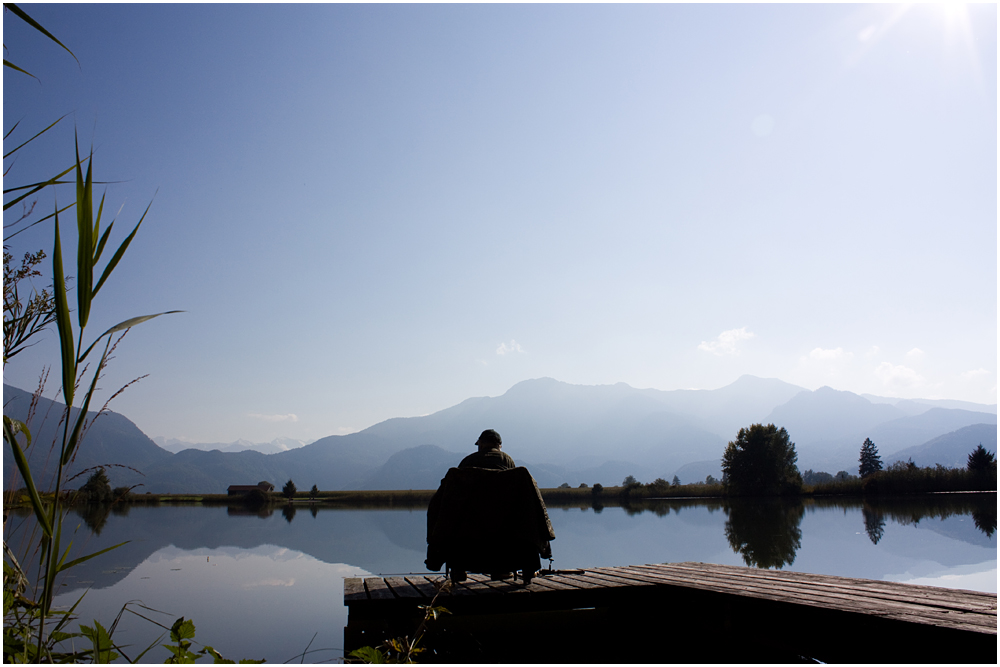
(564, 433)
(173, 445)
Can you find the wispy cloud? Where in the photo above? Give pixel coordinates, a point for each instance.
(725, 342)
(915, 353)
(275, 418)
(270, 582)
(979, 372)
(899, 376)
(836, 354)
(514, 346)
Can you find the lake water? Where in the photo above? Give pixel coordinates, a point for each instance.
(268, 586)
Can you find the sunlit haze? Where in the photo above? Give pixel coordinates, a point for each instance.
(375, 211)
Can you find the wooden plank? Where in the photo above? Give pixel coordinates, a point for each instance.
(589, 581)
(423, 584)
(377, 590)
(402, 588)
(818, 597)
(548, 583)
(504, 586)
(972, 599)
(608, 579)
(354, 589)
(852, 587)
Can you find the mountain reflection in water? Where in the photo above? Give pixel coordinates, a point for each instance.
(268, 580)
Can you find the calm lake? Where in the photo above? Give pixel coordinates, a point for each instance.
(269, 585)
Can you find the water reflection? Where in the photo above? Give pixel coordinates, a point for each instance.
(288, 511)
(95, 516)
(874, 522)
(764, 531)
(985, 518)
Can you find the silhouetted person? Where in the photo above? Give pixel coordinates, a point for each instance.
(489, 455)
(488, 516)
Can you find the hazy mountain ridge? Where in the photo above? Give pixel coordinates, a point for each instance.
(563, 432)
(174, 445)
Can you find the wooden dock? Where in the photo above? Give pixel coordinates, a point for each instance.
(677, 612)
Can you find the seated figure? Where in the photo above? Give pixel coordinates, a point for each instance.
(488, 518)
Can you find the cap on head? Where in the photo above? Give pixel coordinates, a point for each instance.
(490, 438)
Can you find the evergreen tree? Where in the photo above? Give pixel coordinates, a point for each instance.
(676, 481)
(869, 461)
(313, 492)
(980, 459)
(288, 490)
(630, 481)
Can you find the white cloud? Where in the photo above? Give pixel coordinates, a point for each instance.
(819, 354)
(275, 418)
(513, 347)
(969, 375)
(897, 375)
(916, 353)
(874, 351)
(725, 342)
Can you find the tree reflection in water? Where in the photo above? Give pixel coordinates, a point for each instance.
(765, 531)
(985, 518)
(874, 522)
(95, 515)
(288, 511)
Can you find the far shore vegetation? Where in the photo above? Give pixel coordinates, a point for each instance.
(899, 479)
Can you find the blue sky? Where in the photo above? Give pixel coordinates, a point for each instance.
(378, 211)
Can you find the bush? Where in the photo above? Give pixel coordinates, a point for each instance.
(598, 489)
(256, 498)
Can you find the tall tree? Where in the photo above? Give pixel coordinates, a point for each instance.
(980, 459)
(761, 461)
(288, 490)
(869, 461)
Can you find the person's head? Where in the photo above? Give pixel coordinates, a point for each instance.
(489, 439)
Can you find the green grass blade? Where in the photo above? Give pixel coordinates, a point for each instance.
(7, 63)
(18, 12)
(10, 430)
(84, 559)
(119, 253)
(127, 324)
(74, 440)
(99, 245)
(35, 187)
(6, 238)
(85, 239)
(11, 152)
(63, 322)
(11, 130)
